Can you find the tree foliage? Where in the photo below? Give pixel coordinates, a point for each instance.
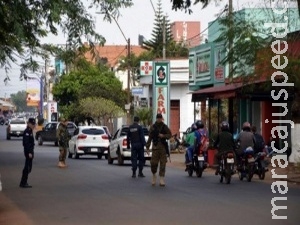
(156, 43)
(24, 24)
(85, 81)
(145, 115)
(19, 100)
(100, 109)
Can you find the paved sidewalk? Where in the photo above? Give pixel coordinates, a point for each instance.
(293, 174)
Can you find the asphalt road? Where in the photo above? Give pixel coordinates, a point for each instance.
(91, 192)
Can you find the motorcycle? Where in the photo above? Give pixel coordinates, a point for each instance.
(246, 168)
(175, 144)
(226, 167)
(260, 167)
(198, 165)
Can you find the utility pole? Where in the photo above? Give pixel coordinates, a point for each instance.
(128, 81)
(230, 16)
(164, 38)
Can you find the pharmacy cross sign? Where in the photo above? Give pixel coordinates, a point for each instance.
(146, 68)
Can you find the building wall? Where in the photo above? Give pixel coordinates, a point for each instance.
(186, 31)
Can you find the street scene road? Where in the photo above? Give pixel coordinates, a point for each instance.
(92, 192)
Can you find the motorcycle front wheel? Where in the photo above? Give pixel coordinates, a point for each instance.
(190, 171)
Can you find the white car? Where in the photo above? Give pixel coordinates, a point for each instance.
(118, 146)
(89, 140)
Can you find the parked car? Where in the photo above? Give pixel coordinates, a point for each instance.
(118, 146)
(15, 128)
(89, 140)
(48, 133)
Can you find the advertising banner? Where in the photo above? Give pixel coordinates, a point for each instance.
(33, 92)
(52, 111)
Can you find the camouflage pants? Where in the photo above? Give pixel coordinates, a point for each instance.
(158, 156)
(62, 154)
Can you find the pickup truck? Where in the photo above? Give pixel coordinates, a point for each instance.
(48, 133)
(118, 146)
(15, 128)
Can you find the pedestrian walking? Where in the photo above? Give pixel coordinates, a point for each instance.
(63, 138)
(159, 134)
(28, 145)
(136, 140)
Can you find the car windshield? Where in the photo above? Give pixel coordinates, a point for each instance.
(18, 122)
(93, 131)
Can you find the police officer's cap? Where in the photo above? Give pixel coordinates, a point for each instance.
(136, 119)
(159, 116)
(32, 121)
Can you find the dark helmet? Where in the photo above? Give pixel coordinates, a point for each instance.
(224, 126)
(199, 124)
(193, 127)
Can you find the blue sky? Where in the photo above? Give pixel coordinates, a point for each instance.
(133, 21)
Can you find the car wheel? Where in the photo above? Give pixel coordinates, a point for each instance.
(99, 156)
(76, 155)
(70, 155)
(40, 140)
(7, 137)
(120, 159)
(109, 159)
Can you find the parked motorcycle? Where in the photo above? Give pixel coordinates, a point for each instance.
(198, 165)
(260, 167)
(226, 167)
(247, 165)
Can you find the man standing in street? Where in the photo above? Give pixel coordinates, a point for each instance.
(63, 138)
(159, 134)
(136, 138)
(28, 144)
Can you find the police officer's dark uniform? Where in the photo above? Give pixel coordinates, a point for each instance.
(28, 144)
(136, 138)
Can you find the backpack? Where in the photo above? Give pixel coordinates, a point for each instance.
(204, 141)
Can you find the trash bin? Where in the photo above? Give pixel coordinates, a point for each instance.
(211, 157)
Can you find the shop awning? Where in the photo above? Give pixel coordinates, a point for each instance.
(222, 91)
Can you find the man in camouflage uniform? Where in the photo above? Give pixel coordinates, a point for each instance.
(63, 138)
(158, 135)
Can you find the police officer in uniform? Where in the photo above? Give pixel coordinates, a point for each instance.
(28, 144)
(159, 134)
(136, 138)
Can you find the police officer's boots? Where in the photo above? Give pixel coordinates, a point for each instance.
(162, 182)
(153, 180)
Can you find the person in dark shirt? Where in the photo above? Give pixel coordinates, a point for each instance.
(28, 144)
(136, 139)
(224, 143)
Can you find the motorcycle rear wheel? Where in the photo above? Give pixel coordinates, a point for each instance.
(199, 172)
(221, 179)
(262, 175)
(241, 177)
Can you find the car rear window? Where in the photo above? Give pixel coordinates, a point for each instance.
(93, 131)
(18, 122)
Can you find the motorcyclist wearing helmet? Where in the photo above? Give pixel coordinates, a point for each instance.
(201, 131)
(190, 142)
(224, 143)
(244, 140)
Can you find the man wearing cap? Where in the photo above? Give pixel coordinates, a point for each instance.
(63, 138)
(159, 134)
(28, 144)
(136, 138)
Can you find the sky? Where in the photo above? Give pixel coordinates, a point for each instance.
(138, 19)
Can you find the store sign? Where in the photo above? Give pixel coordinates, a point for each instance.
(219, 73)
(203, 63)
(161, 85)
(137, 90)
(146, 68)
